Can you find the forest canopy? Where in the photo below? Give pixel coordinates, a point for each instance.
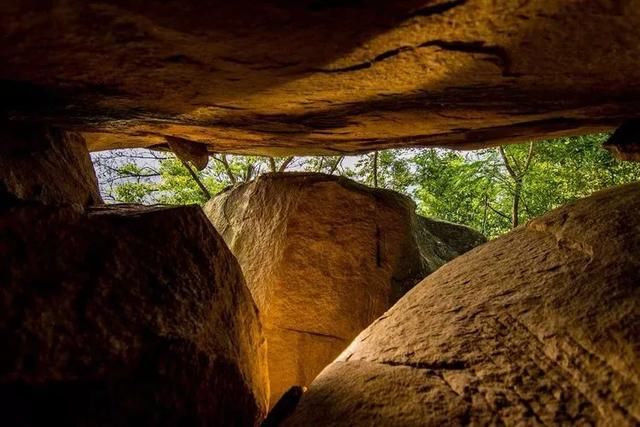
(491, 190)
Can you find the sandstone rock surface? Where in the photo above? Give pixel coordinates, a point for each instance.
(43, 164)
(538, 327)
(323, 257)
(321, 76)
(125, 315)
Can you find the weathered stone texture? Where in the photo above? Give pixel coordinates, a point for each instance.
(538, 327)
(125, 315)
(317, 76)
(323, 257)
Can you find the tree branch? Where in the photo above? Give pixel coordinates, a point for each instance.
(505, 159)
(272, 165)
(498, 212)
(197, 180)
(227, 168)
(529, 157)
(285, 163)
(375, 169)
(335, 166)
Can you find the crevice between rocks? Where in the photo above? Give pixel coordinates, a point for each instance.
(442, 365)
(497, 55)
(317, 334)
(436, 9)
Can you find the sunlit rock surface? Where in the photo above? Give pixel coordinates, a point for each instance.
(125, 315)
(323, 257)
(538, 327)
(320, 76)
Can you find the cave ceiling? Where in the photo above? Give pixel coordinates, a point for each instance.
(320, 76)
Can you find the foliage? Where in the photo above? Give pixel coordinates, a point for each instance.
(456, 187)
(484, 189)
(476, 188)
(394, 170)
(324, 164)
(141, 176)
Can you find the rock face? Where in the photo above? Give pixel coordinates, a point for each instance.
(125, 315)
(538, 327)
(43, 164)
(625, 141)
(321, 76)
(323, 257)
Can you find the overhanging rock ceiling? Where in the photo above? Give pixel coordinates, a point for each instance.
(321, 76)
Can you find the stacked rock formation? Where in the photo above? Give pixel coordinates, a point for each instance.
(538, 327)
(323, 257)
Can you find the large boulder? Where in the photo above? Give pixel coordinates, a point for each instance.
(125, 315)
(538, 327)
(44, 164)
(323, 257)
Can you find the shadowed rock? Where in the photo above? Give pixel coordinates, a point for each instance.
(538, 327)
(323, 257)
(125, 315)
(625, 141)
(284, 407)
(42, 164)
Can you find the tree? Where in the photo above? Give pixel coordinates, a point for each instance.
(390, 169)
(517, 171)
(461, 187)
(324, 164)
(284, 163)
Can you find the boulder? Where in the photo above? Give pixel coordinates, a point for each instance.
(324, 256)
(538, 327)
(125, 315)
(441, 241)
(44, 164)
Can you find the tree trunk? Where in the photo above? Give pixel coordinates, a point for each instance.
(515, 209)
(204, 189)
(285, 164)
(335, 166)
(517, 173)
(375, 169)
(484, 218)
(227, 168)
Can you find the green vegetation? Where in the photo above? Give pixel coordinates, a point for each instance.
(485, 191)
(491, 190)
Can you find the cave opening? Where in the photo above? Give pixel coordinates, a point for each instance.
(280, 213)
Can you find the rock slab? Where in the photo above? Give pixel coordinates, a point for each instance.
(323, 257)
(284, 77)
(538, 327)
